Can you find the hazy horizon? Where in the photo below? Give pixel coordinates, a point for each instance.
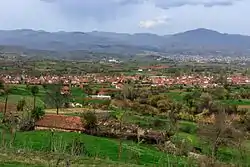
(40, 30)
(126, 16)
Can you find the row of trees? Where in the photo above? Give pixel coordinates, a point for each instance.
(53, 97)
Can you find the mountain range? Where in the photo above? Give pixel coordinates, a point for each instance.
(198, 40)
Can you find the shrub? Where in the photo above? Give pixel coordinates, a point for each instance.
(89, 119)
(186, 116)
(20, 105)
(37, 113)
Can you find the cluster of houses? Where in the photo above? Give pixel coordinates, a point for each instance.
(118, 81)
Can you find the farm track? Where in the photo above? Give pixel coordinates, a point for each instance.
(75, 110)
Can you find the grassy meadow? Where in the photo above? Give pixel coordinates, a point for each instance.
(102, 148)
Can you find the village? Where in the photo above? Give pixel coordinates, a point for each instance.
(118, 81)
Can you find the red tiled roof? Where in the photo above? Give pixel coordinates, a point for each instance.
(61, 122)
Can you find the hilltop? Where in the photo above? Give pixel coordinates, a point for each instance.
(197, 40)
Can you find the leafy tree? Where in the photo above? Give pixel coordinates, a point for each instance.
(55, 98)
(205, 102)
(34, 91)
(221, 93)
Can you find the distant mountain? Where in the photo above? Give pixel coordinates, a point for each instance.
(213, 40)
(126, 44)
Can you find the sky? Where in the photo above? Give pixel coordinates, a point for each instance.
(128, 16)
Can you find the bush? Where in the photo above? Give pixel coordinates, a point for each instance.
(89, 119)
(37, 113)
(20, 105)
(186, 116)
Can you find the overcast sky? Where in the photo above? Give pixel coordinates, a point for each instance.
(132, 16)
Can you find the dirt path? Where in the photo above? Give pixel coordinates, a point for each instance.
(74, 110)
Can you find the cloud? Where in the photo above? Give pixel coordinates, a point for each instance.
(155, 22)
(101, 10)
(126, 15)
(159, 3)
(166, 4)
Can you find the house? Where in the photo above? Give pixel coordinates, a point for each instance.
(140, 70)
(60, 123)
(101, 95)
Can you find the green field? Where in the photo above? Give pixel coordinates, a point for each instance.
(19, 92)
(103, 148)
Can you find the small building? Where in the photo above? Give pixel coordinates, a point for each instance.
(140, 70)
(60, 123)
(101, 95)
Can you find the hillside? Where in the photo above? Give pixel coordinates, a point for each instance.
(125, 44)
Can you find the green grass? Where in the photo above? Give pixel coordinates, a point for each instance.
(13, 99)
(39, 159)
(188, 127)
(97, 147)
(237, 102)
